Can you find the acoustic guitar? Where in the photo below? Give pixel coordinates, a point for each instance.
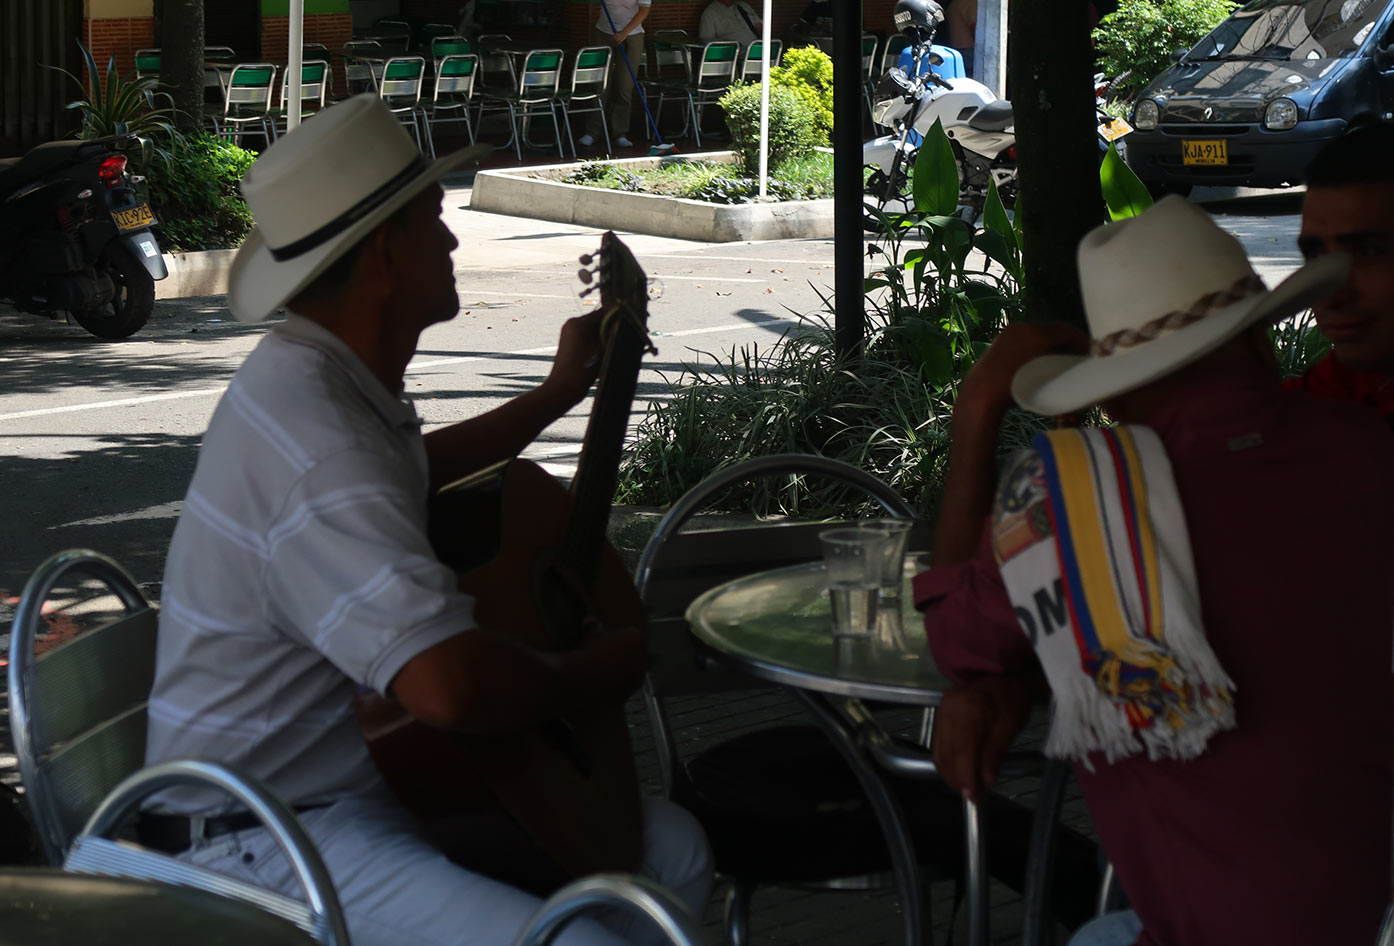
(535, 558)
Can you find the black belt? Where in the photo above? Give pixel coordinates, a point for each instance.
(174, 833)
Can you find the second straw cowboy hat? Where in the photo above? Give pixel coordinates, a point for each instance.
(319, 190)
(1161, 290)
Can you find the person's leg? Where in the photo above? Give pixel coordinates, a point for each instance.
(1112, 929)
(396, 889)
(622, 86)
(678, 858)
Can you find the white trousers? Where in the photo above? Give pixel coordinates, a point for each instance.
(397, 889)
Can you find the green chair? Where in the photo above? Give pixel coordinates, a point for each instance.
(452, 45)
(403, 78)
(314, 88)
(869, 44)
(363, 60)
(666, 67)
(496, 66)
(537, 94)
(247, 103)
(712, 74)
(147, 63)
(590, 74)
(454, 93)
(751, 58)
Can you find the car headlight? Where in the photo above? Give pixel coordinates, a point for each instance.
(1145, 117)
(1280, 115)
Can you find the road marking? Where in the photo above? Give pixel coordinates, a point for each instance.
(662, 276)
(161, 511)
(740, 259)
(414, 366)
(511, 295)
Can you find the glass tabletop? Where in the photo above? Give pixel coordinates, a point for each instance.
(777, 625)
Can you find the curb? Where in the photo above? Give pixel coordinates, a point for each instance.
(201, 273)
(526, 192)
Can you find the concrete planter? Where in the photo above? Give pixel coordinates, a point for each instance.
(539, 192)
(201, 273)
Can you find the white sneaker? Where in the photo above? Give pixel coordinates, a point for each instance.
(623, 142)
(585, 141)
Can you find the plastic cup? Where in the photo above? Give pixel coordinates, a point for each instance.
(897, 533)
(854, 559)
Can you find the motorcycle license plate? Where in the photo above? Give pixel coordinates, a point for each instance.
(133, 218)
(1114, 129)
(1211, 151)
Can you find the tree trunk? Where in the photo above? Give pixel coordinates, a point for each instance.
(181, 59)
(1051, 72)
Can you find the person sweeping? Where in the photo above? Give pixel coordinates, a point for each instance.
(621, 26)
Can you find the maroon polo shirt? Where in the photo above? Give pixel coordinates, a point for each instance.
(1280, 832)
(1329, 378)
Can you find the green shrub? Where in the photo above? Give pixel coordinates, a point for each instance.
(195, 197)
(808, 73)
(1139, 37)
(792, 129)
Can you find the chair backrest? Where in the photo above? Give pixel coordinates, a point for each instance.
(540, 76)
(402, 79)
(677, 566)
(147, 62)
(360, 71)
(751, 59)
(717, 66)
(94, 851)
(431, 31)
(77, 713)
(219, 54)
(591, 70)
(606, 892)
(890, 53)
(314, 82)
(455, 77)
(496, 62)
(666, 57)
(869, 42)
(452, 45)
(249, 88)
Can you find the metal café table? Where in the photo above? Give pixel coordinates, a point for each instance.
(776, 626)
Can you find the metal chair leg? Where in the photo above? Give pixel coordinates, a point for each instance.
(738, 914)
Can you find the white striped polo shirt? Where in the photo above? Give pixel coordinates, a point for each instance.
(299, 568)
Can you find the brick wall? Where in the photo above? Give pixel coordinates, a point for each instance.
(120, 38)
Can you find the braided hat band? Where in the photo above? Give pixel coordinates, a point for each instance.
(1242, 288)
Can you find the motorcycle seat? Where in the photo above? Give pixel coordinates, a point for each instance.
(16, 172)
(994, 116)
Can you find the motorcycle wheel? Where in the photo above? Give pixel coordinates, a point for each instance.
(130, 308)
(891, 192)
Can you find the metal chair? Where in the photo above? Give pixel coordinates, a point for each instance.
(608, 892)
(496, 68)
(432, 31)
(666, 66)
(590, 76)
(359, 74)
(395, 35)
(536, 95)
(403, 78)
(452, 45)
(314, 87)
(712, 74)
(454, 93)
(147, 63)
(869, 43)
(751, 59)
(96, 851)
(78, 718)
(779, 804)
(247, 103)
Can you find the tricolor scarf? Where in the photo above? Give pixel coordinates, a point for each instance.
(1092, 545)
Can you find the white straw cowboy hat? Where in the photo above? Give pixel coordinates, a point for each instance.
(1161, 290)
(319, 190)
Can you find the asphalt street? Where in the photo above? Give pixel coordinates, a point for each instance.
(98, 439)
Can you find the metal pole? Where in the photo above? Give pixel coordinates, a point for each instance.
(849, 316)
(990, 45)
(294, 56)
(765, 96)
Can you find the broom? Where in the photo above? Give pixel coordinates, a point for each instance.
(660, 148)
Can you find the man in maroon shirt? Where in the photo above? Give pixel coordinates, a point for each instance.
(1349, 208)
(1279, 832)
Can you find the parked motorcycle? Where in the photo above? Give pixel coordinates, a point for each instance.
(75, 238)
(977, 122)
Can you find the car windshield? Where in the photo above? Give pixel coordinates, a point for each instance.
(1284, 29)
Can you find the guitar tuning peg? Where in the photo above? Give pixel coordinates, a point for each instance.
(585, 275)
(586, 259)
(587, 291)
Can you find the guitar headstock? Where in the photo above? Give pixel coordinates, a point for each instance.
(623, 284)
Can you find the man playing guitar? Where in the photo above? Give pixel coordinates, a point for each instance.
(301, 569)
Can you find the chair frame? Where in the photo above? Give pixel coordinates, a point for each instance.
(597, 80)
(536, 87)
(232, 125)
(749, 70)
(711, 77)
(95, 850)
(151, 53)
(360, 76)
(314, 93)
(495, 63)
(402, 96)
(40, 746)
(661, 542)
(447, 85)
(608, 892)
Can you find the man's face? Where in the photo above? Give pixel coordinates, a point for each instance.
(424, 274)
(1359, 317)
